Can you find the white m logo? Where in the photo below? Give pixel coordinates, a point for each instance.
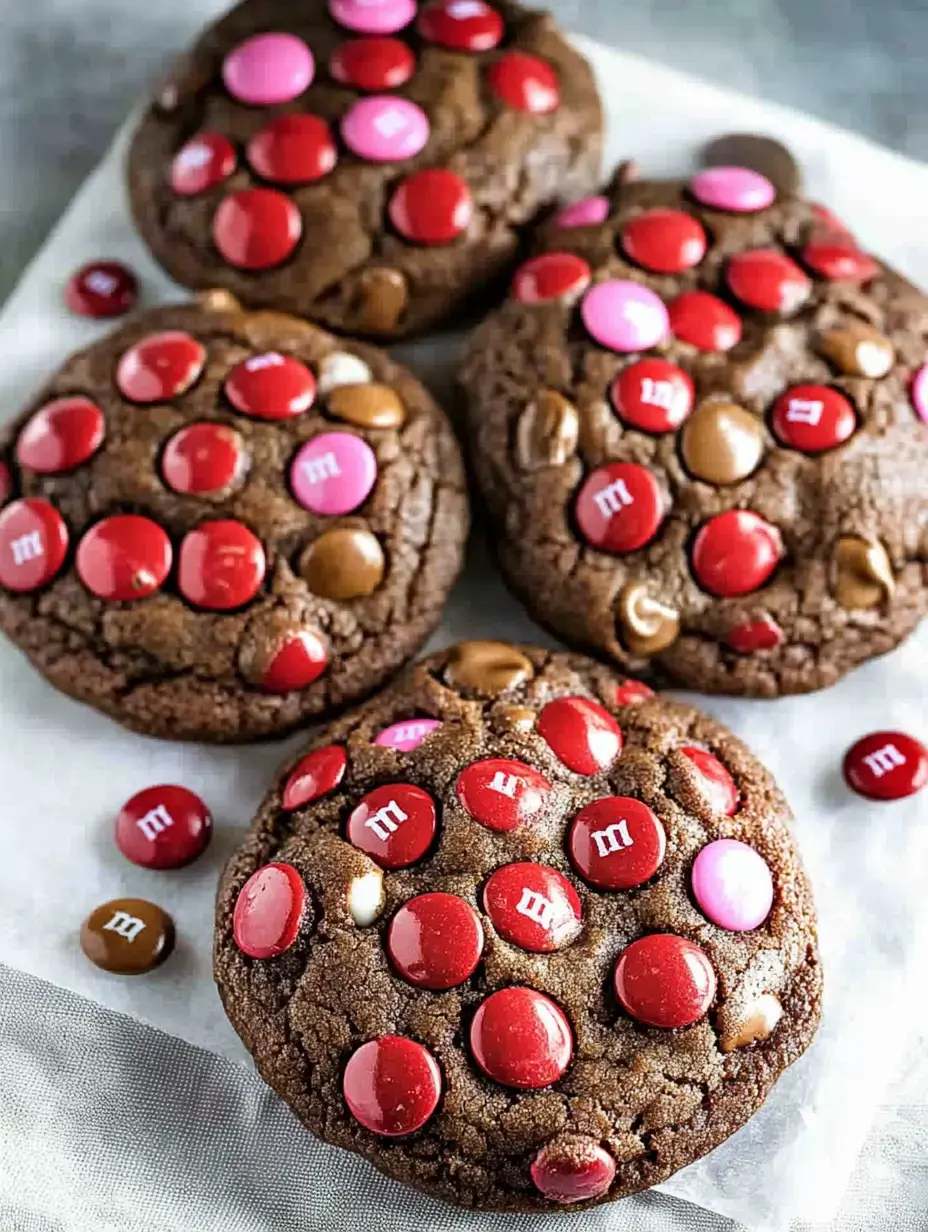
(885, 759)
(387, 820)
(26, 548)
(127, 926)
(661, 393)
(154, 821)
(611, 500)
(536, 908)
(319, 469)
(504, 784)
(800, 410)
(614, 838)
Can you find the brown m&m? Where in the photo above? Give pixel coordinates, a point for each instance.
(863, 573)
(857, 349)
(487, 668)
(722, 443)
(547, 432)
(127, 936)
(647, 625)
(367, 406)
(346, 563)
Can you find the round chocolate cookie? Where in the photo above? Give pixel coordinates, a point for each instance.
(219, 525)
(366, 163)
(521, 933)
(699, 427)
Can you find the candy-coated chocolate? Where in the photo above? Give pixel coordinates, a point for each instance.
(267, 69)
(647, 624)
(502, 793)
(201, 163)
(160, 367)
(163, 827)
(588, 212)
(863, 573)
(732, 885)
(487, 668)
(102, 289)
(203, 459)
(406, 735)
(435, 941)
(666, 241)
(886, 765)
(521, 1038)
(315, 776)
(919, 393)
(345, 563)
(552, 275)
(716, 783)
(373, 63)
(373, 16)
(269, 911)
(581, 734)
(722, 443)
(653, 395)
(383, 128)
(813, 418)
(632, 692)
(296, 663)
(737, 190)
(33, 544)
(221, 565)
(704, 321)
(394, 824)
(620, 507)
(533, 906)
(735, 552)
(547, 432)
(625, 316)
(573, 1169)
(751, 636)
(525, 83)
(257, 228)
(368, 406)
(128, 936)
(616, 843)
(665, 981)
(392, 1085)
(61, 435)
(271, 386)
(768, 280)
(461, 25)
(433, 206)
(124, 557)
(293, 149)
(839, 262)
(333, 473)
(857, 349)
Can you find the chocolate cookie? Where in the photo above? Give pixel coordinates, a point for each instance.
(217, 525)
(698, 425)
(366, 163)
(550, 944)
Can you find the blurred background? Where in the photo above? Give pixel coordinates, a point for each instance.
(70, 69)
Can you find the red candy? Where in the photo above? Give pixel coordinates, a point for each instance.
(33, 544)
(160, 367)
(501, 793)
(374, 63)
(394, 824)
(839, 262)
(533, 906)
(392, 1085)
(61, 435)
(616, 843)
(461, 25)
(735, 552)
(632, 692)
(293, 149)
(619, 507)
(666, 241)
(432, 207)
(553, 275)
(717, 784)
(202, 459)
(123, 558)
(205, 161)
(525, 83)
(435, 941)
(813, 418)
(163, 827)
(257, 228)
(704, 321)
(830, 219)
(571, 1173)
(755, 635)
(768, 280)
(102, 289)
(271, 386)
(315, 776)
(520, 1038)
(269, 911)
(665, 981)
(581, 734)
(886, 765)
(221, 566)
(297, 663)
(653, 395)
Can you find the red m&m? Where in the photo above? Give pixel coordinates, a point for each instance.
(33, 544)
(61, 435)
(297, 662)
(632, 692)
(435, 941)
(533, 906)
(160, 367)
(257, 228)
(666, 241)
(665, 981)
(461, 25)
(271, 386)
(750, 636)
(573, 1169)
(581, 734)
(394, 824)
(203, 459)
(553, 275)
(524, 82)
(373, 63)
(203, 162)
(163, 827)
(768, 280)
(221, 566)
(268, 911)
(704, 321)
(886, 765)
(716, 783)
(840, 262)
(653, 395)
(293, 149)
(813, 418)
(619, 507)
(392, 1085)
(735, 552)
(432, 207)
(521, 1038)
(501, 793)
(123, 558)
(315, 776)
(616, 843)
(102, 289)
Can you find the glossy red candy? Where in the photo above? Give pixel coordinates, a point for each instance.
(735, 552)
(665, 981)
(704, 321)
(394, 824)
(581, 734)
(553, 275)
(315, 776)
(501, 793)
(533, 906)
(221, 566)
(435, 941)
(257, 228)
(666, 241)
(293, 148)
(524, 83)
(202, 459)
(840, 262)
(632, 692)
(461, 25)
(205, 161)
(299, 661)
(33, 544)
(392, 1085)
(886, 765)
(160, 367)
(573, 1170)
(717, 784)
(768, 280)
(102, 289)
(755, 635)
(373, 63)
(620, 507)
(163, 827)
(521, 1038)
(61, 435)
(653, 395)
(269, 911)
(123, 558)
(271, 386)
(434, 206)
(813, 418)
(616, 843)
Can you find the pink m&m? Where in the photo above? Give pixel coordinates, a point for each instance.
(589, 212)
(384, 129)
(373, 16)
(268, 69)
(736, 189)
(625, 316)
(920, 393)
(407, 735)
(732, 885)
(333, 473)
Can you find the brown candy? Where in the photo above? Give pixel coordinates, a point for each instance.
(487, 668)
(758, 1022)
(857, 349)
(647, 625)
(218, 300)
(346, 563)
(547, 432)
(513, 719)
(771, 158)
(722, 443)
(863, 573)
(382, 300)
(128, 936)
(367, 406)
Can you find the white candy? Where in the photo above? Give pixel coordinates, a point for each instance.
(366, 898)
(341, 368)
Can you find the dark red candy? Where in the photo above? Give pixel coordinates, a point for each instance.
(572, 1170)
(33, 544)
(839, 262)
(163, 827)
(315, 776)
(581, 734)
(394, 824)
(533, 906)
(632, 692)
(392, 1085)
(616, 843)
(665, 981)
(704, 321)
(373, 63)
(269, 911)
(271, 386)
(435, 941)
(666, 241)
(461, 25)
(257, 228)
(221, 566)
(123, 558)
(653, 395)
(521, 1038)
(61, 435)
(768, 280)
(501, 793)
(886, 765)
(716, 783)
(203, 162)
(293, 149)
(619, 507)
(813, 418)
(524, 83)
(102, 289)
(160, 367)
(735, 552)
(298, 661)
(432, 207)
(6, 483)
(553, 275)
(751, 636)
(203, 459)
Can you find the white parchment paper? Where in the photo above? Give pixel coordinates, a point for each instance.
(64, 770)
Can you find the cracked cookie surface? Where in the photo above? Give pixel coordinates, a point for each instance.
(220, 525)
(395, 918)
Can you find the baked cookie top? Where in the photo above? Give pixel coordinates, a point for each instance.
(366, 163)
(552, 944)
(698, 424)
(218, 525)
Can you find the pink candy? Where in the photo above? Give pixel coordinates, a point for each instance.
(333, 473)
(920, 393)
(373, 16)
(625, 316)
(732, 885)
(384, 129)
(268, 69)
(735, 189)
(407, 735)
(589, 212)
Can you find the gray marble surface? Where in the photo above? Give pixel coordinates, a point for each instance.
(69, 70)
